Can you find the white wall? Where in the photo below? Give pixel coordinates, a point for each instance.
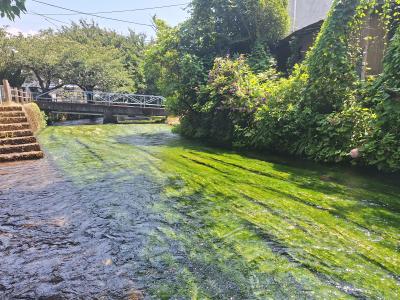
(306, 12)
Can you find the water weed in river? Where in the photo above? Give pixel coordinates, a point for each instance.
(218, 224)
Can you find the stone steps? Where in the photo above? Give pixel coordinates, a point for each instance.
(13, 120)
(15, 133)
(14, 127)
(10, 108)
(7, 149)
(11, 114)
(17, 141)
(21, 156)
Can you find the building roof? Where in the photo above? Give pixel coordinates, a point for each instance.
(312, 28)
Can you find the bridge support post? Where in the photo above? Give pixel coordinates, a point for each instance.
(109, 118)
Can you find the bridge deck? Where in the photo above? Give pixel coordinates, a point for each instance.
(109, 112)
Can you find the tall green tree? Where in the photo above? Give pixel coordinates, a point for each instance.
(131, 47)
(178, 62)
(83, 54)
(221, 27)
(9, 69)
(95, 68)
(160, 64)
(11, 8)
(42, 55)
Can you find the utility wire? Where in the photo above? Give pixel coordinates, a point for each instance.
(93, 15)
(47, 18)
(120, 11)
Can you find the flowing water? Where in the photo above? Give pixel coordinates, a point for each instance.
(134, 211)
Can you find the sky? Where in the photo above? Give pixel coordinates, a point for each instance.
(32, 22)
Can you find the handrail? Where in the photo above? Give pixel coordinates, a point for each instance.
(9, 94)
(98, 97)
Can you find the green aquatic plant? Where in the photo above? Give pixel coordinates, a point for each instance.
(234, 225)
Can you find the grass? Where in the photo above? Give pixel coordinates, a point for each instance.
(243, 227)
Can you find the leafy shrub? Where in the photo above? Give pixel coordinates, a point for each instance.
(260, 60)
(336, 134)
(280, 123)
(226, 103)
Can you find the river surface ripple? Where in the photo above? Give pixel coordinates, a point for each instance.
(136, 212)
(60, 241)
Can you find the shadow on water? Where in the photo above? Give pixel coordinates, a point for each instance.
(134, 211)
(166, 139)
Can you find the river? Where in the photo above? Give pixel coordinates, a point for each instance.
(136, 212)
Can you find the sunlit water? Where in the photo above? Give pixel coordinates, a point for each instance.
(134, 211)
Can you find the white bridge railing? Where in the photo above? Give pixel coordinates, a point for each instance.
(96, 97)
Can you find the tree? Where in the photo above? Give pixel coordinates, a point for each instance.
(90, 58)
(9, 69)
(42, 55)
(11, 8)
(95, 67)
(215, 28)
(220, 27)
(130, 47)
(161, 60)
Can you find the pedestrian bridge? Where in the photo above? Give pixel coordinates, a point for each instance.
(108, 105)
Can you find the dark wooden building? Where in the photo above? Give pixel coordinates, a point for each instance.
(293, 48)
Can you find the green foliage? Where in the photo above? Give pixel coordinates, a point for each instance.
(281, 123)
(225, 105)
(42, 55)
(191, 75)
(337, 133)
(130, 50)
(161, 60)
(383, 147)
(82, 54)
(323, 111)
(260, 60)
(9, 69)
(12, 8)
(95, 67)
(332, 73)
(317, 112)
(177, 62)
(220, 27)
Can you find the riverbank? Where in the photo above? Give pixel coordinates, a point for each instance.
(36, 118)
(18, 126)
(117, 210)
